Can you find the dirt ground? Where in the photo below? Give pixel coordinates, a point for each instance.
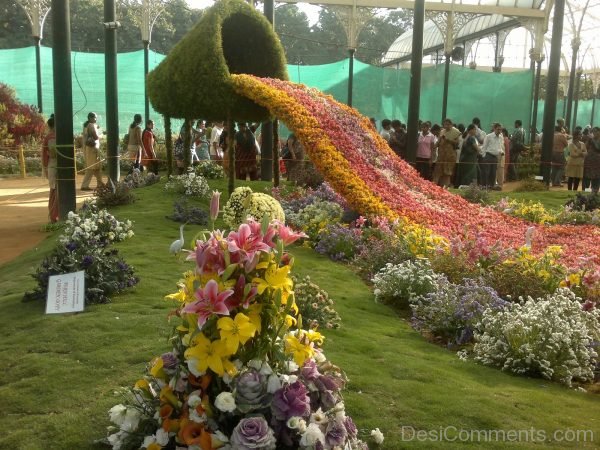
(24, 212)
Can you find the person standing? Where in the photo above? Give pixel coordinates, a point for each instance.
(49, 168)
(501, 169)
(517, 144)
(574, 169)
(466, 173)
(134, 142)
(558, 156)
(245, 153)
(398, 139)
(201, 141)
(591, 165)
(425, 144)
(149, 161)
(491, 150)
(386, 126)
(446, 156)
(479, 133)
(91, 143)
(216, 152)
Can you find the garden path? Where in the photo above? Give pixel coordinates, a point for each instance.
(24, 212)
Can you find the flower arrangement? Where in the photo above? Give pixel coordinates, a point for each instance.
(114, 194)
(451, 312)
(184, 212)
(313, 218)
(137, 179)
(94, 227)
(242, 372)
(314, 304)
(188, 184)
(209, 170)
(244, 203)
(401, 283)
(83, 245)
(550, 337)
(339, 242)
(375, 182)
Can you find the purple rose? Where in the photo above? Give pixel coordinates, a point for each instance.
(170, 361)
(289, 401)
(336, 434)
(350, 427)
(253, 433)
(309, 370)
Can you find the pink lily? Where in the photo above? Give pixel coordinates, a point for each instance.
(245, 242)
(214, 206)
(209, 302)
(287, 235)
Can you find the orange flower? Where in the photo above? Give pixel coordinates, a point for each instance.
(192, 433)
(166, 411)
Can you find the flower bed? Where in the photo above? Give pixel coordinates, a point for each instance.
(377, 183)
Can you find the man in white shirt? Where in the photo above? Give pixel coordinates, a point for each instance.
(479, 133)
(491, 150)
(386, 126)
(215, 135)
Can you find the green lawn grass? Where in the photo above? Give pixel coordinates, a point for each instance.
(60, 372)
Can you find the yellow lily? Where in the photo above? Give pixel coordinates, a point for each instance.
(236, 331)
(210, 355)
(301, 349)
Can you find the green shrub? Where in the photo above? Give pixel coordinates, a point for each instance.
(475, 194)
(314, 305)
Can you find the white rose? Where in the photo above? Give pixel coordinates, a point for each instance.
(377, 436)
(319, 417)
(225, 402)
(117, 414)
(312, 435)
(132, 419)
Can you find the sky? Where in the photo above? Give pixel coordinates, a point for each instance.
(312, 11)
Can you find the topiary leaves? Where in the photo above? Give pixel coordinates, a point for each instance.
(193, 80)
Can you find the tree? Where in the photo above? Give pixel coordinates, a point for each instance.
(380, 32)
(293, 29)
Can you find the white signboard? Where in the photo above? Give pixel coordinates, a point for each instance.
(65, 293)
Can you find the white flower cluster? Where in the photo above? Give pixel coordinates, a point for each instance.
(553, 337)
(93, 226)
(404, 282)
(188, 184)
(243, 203)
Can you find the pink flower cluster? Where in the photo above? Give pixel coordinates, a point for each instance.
(401, 188)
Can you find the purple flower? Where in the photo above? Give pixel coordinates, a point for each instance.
(289, 401)
(170, 361)
(309, 371)
(87, 261)
(350, 427)
(253, 433)
(71, 246)
(336, 434)
(328, 383)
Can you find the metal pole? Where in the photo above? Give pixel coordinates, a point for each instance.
(576, 97)
(350, 74)
(112, 96)
(146, 70)
(266, 132)
(551, 90)
(536, 99)
(414, 98)
(446, 82)
(570, 92)
(593, 108)
(38, 71)
(63, 106)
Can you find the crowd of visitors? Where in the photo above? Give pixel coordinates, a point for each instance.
(455, 155)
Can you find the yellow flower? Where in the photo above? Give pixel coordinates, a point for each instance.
(157, 369)
(210, 355)
(301, 349)
(254, 314)
(154, 446)
(275, 278)
(236, 331)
